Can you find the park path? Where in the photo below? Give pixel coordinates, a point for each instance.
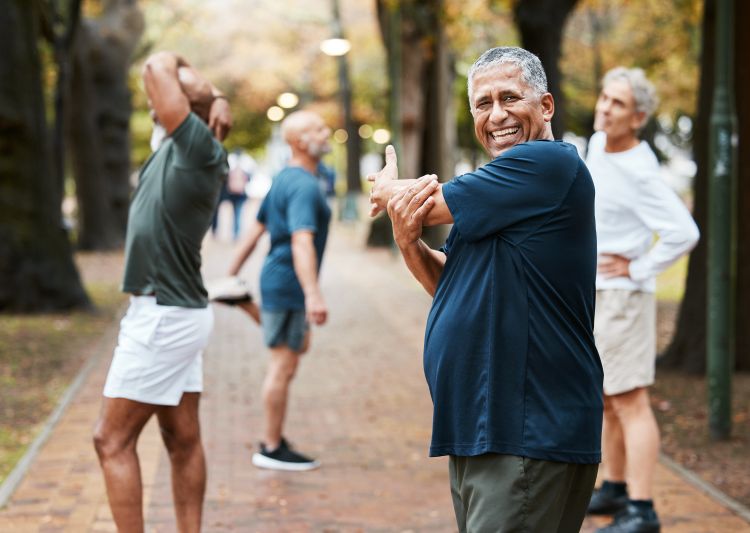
(359, 403)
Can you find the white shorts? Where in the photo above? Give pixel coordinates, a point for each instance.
(625, 334)
(159, 353)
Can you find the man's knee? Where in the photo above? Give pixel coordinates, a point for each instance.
(182, 442)
(283, 366)
(631, 403)
(109, 443)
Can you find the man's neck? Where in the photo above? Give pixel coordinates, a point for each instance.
(305, 161)
(621, 144)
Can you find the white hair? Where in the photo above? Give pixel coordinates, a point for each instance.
(532, 71)
(644, 92)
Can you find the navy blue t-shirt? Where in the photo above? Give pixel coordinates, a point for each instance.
(294, 202)
(509, 351)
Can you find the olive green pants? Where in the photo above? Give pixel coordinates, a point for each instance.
(495, 493)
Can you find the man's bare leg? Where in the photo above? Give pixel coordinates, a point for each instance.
(115, 437)
(641, 435)
(613, 445)
(180, 430)
(251, 309)
(281, 370)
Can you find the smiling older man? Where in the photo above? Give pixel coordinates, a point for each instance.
(509, 352)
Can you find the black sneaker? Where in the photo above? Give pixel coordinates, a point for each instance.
(283, 458)
(606, 501)
(633, 520)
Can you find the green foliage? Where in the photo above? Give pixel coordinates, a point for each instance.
(250, 131)
(662, 37)
(670, 285)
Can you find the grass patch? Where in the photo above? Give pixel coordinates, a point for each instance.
(39, 357)
(670, 284)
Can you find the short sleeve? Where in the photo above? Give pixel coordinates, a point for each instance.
(448, 245)
(195, 145)
(302, 208)
(514, 193)
(262, 215)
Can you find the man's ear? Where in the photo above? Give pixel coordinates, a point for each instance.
(548, 106)
(638, 121)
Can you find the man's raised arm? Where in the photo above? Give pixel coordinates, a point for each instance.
(386, 185)
(168, 101)
(174, 88)
(408, 209)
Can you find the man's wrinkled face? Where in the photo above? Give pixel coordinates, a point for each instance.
(507, 110)
(615, 112)
(316, 136)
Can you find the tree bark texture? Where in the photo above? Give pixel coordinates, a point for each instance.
(687, 352)
(37, 272)
(427, 115)
(541, 24)
(99, 124)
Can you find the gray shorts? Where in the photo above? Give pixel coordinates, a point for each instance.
(284, 328)
(495, 493)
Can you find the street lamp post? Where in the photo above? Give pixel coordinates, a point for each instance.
(339, 47)
(722, 196)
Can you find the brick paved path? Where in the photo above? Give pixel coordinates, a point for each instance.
(359, 404)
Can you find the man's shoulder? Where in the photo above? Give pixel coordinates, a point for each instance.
(189, 127)
(195, 146)
(541, 150)
(299, 180)
(540, 157)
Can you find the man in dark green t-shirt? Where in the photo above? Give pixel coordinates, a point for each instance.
(157, 364)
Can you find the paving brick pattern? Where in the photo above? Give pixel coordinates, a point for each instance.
(359, 403)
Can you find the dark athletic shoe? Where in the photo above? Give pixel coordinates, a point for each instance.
(633, 520)
(283, 458)
(604, 501)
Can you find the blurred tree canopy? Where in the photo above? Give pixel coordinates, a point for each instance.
(256, 50)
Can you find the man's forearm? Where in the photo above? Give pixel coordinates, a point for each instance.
(425, 264)
(305, 261)
(383, 191)
(246, 247)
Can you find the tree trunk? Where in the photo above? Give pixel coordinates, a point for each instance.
(687, 352)
(541, 24)
(100, 123)
(37, 272)
(741, 83)
(427, 117)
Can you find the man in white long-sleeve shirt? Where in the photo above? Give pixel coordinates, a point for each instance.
(632, 204)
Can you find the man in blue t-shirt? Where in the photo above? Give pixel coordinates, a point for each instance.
(509, 353)
(296, 216)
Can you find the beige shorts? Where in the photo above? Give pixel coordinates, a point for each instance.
(159, 353)
(625, 334)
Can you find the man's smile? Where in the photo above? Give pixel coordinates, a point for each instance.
(499, 134)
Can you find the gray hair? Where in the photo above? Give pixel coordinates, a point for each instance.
(532, 71)
(644, 92)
